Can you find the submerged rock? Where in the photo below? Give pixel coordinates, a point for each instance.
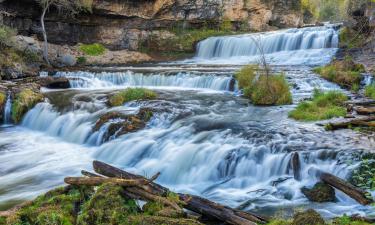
(309, 217)
(321, 192)
(117, 124)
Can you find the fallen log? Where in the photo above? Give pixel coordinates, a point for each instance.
(364, 121)
(355, 193)
(194, 203)
(362, 103)
(365, 110)
(96, 181)
(89, 174)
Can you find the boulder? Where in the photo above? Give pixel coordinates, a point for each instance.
(55, 82)
(309, 217)
(119, 124)
(67, 60)
(321, 192)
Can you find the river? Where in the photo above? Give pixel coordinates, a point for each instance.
(204, 139)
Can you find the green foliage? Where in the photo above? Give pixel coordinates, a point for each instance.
(323, 106)
(262, 89)
(23, 102)
(327, 10)
(345, 73)
(6, 36)
(346, 220)
(93, 49)
(364, 175)
(152, 208)
(279, 222)
(350, 38)
(370, 91)
(131, 94)
(3, 98)
(107, 206)
(81, 60)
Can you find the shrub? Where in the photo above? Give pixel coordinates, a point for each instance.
(93, 49)
(263, 90)
(131, 94)
(370, 91)
(6, 36)
(345, 73)
(323, 106)
(81, 60)
(24, 101)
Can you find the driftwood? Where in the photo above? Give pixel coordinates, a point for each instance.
(355, 193)
(365, 110)
(364, 121)
(190, 202)
(96, 181)
(89, 174)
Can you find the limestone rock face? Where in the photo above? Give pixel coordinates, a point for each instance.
(121, 24)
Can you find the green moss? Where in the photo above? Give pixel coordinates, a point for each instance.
(323, 106)
(346, 220)
(107, 206)
(93, 49)
(23, 102)
(364, 175)
(152, 208)
(158, 220)
(3, 220)
(309, 217)
(263, 90)
(3, 98)
(131, 94)
(345, 73)
(81, 60)
(279, 222)
(370, 91)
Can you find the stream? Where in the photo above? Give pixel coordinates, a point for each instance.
(204, 138)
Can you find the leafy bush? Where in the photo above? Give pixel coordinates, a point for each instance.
(93, 49)
(6, 36)
(24, 101)
(364, 175)
(81, 60)
(323, 106)
(370, 91)
(263, 90)
(131, 94)
(345, 73)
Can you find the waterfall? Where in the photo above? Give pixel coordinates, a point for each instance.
(292, 46)
(131, 79)
(8, 110)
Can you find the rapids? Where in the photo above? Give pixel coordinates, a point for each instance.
(204, 138)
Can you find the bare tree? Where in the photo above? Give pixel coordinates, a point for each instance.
(265, 69)
(70, 6)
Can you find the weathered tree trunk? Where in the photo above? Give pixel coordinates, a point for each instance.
(365, 121)
(45, 48)
(191, 202)
(355, 193)
(96, 181)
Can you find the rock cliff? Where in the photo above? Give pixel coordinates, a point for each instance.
(123, 24)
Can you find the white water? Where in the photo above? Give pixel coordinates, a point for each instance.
(131, 79)
(210, 144)
(8, 110)
(307, 46)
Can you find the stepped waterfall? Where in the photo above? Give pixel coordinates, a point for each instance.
(203, 138)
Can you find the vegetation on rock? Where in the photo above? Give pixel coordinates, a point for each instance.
(345, 73)
(23, 102)
(364, 175)
(262, 89)
(131, 94)
(323, 106)
(370, 91)
(308, 217)
(321, 192)
(92, 50)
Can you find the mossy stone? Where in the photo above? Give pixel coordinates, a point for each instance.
(321, 192)
(309, 217)
(23, 102)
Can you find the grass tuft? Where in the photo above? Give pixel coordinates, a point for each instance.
(263, 90)
(370, 91)
(323, 106)
(23, 102)
(131, 94)
(93, 49)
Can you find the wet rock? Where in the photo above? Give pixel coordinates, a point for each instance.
(119, 124)
(309, 217)
(24, 100)
(55, 82)
(321, 192)
(67, 60)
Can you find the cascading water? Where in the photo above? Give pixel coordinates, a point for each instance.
(8, 110)
(208, 143)
(313, 45)
(131, 79)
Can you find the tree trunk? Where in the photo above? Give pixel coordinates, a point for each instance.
(365, 121)
(191, 202)
(45, 48)
(355, 193)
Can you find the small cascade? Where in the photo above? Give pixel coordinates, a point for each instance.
(286, 47)
(131, 79)
(8, 110)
